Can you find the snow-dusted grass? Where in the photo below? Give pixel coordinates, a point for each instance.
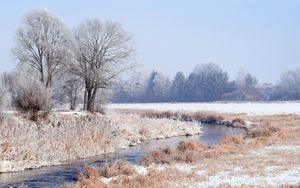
(243, 170)
(259, 158)
(65, 136)
(250, 108)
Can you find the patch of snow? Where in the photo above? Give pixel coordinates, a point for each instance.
(201, 172)
(186, 168)
(160, 167)
(290, 177)
(250, 108)
(5, 166)
(141, 170)
(276, 148)
(108, 180)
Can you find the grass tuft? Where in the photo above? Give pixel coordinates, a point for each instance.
(262, 131)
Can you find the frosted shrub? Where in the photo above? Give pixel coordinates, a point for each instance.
(30, 95)
(4, 96)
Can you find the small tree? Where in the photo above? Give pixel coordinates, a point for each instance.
(102, 51)
(72, 86)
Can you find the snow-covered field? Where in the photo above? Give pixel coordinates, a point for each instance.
(250, 108)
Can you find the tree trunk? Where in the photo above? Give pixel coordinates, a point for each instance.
(73, 100)
(94, 99)
(85, 100)
(42, 75)
(48, 83)
(91, 99)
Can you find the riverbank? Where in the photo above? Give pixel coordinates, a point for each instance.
(26, 144)
(266, 155)
(232, 120)
(253, 108)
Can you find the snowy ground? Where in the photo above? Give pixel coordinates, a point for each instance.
(250, 108)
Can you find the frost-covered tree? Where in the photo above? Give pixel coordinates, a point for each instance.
(158, 88)
(162, 87)
(43, 43)
(250, 80)
(194, 89)
(150, 92)
(244, 79)
(102, 50)
(177, 90)
(132, 89)
(240, 78)
(72, 86)
(207, 82)
(289, 85)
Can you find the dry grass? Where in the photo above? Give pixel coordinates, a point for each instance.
(264, 146)
(185, 146)
(207, 117)
(193, 151)
(91, 176)
(229, 144)
(160, 156)
(153, 179)
(117, 169)
(123, 174)
(197, 151)
(145, 133)
(262, 131)
(66, 136)
(239, 120)
(59, 138)
(186, 151)
(290, 186)
(91, 182)
(203, 117)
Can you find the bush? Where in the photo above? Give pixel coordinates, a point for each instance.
(4, 96)
(191, 146)
(117, 168)
(186, 151)
(30, 95)
(262, 131)
(239, 120)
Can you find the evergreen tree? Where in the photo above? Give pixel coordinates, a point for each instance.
(178, 87)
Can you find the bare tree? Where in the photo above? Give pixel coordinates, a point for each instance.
(43, 43)
(72, 86)
(102, 51)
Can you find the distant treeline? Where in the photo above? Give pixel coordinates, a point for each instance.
(207, 82)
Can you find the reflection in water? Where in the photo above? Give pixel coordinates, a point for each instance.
(58, 175)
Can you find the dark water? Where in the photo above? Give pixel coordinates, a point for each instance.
(58, 175)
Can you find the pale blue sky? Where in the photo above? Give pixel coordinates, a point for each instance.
(262, 36)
